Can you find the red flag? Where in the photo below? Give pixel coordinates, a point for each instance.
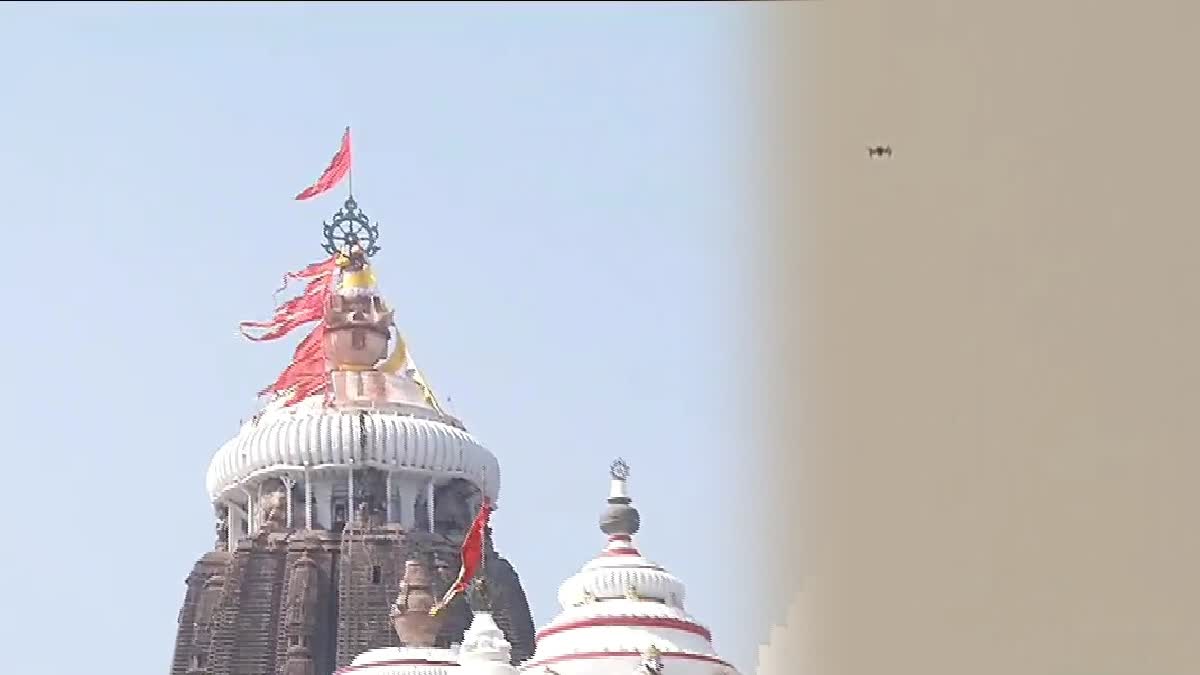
(307, 388)
(338, 167)
(305, 308)
(288, 317)
(307, 373)
(472, 555)
(307, 363)
(317, 269)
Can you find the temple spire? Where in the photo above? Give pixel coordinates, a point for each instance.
(620, 521)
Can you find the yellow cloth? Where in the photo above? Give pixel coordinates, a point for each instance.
(398, 359)
(361, 280)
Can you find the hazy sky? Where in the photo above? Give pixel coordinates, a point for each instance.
(560, 195)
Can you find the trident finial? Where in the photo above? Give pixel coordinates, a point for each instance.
(619, 470)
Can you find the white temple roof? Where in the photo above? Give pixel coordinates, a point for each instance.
(484, 651)
(623, 614)
(316, 436)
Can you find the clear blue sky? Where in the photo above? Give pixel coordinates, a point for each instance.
(561, 197)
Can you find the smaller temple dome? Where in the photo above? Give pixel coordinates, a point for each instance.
(623, 614)
(484, 650)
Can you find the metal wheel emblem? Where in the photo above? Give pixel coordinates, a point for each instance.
(350, 229)
(619, 470)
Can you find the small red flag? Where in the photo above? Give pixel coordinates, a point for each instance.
(338, 167)
(307, 374)
(472, 556)
(305, 308)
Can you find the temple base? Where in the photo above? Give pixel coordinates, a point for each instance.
(311, 601)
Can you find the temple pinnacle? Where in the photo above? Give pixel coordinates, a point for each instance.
(619, 519)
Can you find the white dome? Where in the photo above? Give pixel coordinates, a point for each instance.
(609, 576)
(616, 608)
(404, 661)
(484, 649)
(316, 436)
(620, 609)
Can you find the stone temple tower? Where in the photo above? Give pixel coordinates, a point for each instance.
(323, 499)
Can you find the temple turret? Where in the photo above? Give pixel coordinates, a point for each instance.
(416, 625)
(345, 507)
(623, 614)
(349, 469)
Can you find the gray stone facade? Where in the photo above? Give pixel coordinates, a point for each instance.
(307, 603)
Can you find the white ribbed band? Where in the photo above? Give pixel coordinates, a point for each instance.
(610, 577)
(326, 437)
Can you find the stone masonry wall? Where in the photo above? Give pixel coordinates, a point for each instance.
(358, 574)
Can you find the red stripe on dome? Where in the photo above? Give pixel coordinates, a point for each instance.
(656, 568)
(582, 656)
(395, 662)
(629, 622)
(619, 551)
(619, 537)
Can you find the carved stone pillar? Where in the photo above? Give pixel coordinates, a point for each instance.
(288, 484)
(301, 616)
(388, 496)
(249, 512)
(350, 495)
(429, 504)
(308, 500)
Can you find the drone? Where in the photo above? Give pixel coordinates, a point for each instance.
(879, 151)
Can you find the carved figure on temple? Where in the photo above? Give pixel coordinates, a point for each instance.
(362, 514)
(371, 499)
(454, 506)
(222, 527)
(273, 507)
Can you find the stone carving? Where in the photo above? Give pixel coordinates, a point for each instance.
(222, 528)
(301, 616)
(209, 598)
(454, 506)
(421, 513)
(362, 514)
(301, 607)
(410, 614)
(273, 507)
(370, 501)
